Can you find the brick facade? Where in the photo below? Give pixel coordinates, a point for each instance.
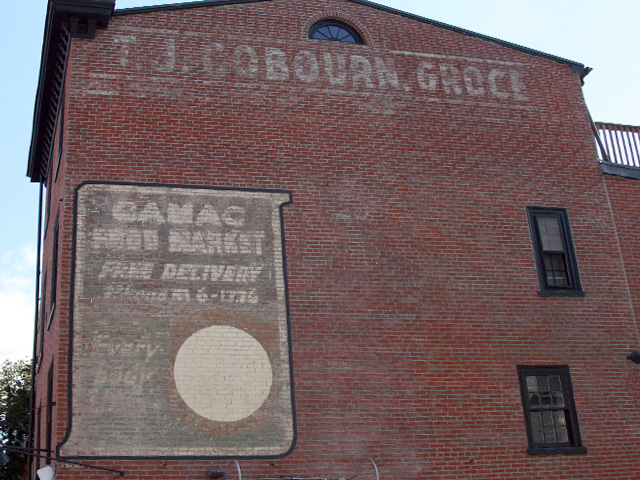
(394, 296)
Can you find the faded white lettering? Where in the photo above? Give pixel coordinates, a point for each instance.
(306, 67)
(245, 61)
(473, 81)
(276, 61)
(361, 71)
(494, 76)
(426, 79)
(386, 73)
(451, 79)
(337, 75)
(216, 243)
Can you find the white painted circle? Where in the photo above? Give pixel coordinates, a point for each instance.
(223, 373)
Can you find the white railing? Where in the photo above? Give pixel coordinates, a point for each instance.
(618, 144)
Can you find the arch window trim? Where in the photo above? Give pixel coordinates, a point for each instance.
(333, 30)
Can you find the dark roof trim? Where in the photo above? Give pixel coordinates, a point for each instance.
(65, 19)
(575, 66)
(180, 6)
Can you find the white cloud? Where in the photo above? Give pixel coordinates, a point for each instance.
(17, 290)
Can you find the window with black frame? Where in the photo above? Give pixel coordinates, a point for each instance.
(553, 248)
(334, 31)
(550, 414)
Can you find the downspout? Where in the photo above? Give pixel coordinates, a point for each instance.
(35, 333)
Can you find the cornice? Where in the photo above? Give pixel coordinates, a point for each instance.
(65, 19)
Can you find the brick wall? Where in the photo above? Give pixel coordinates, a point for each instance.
(624, 195)
(413, 292)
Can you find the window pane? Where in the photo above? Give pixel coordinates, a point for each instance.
(532, 384)
(346, 37)
(554, 383)
(536, 419)
(558, 399)
(321, 34)
(561, 417)
(543, 384)
(556, 270)
(550, 435)
(536, 427)
(538, 436)
(534, 400)
(561, 426)
(550, 233)
(563, 437)
(545, 399)
(547, 419)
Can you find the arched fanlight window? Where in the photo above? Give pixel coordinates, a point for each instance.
(334, 31)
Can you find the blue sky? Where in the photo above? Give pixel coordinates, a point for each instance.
(602, 36)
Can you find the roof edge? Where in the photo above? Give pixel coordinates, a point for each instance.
(576, 67)
(180, 6)
(65, 19)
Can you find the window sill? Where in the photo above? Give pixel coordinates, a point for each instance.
(557, 451)
(561, 293)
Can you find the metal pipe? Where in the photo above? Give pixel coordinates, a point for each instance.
(375, 467)
(30, 439)
(56, 459)
(223, 474)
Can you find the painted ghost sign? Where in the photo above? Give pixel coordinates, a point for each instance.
(180, 324)
(305, 67)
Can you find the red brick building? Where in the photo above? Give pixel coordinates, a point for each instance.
(299, 234)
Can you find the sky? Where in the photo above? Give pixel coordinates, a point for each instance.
(602, 36)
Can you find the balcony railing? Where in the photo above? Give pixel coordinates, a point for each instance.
(618, 144)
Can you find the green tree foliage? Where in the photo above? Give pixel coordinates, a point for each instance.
(15, 390)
